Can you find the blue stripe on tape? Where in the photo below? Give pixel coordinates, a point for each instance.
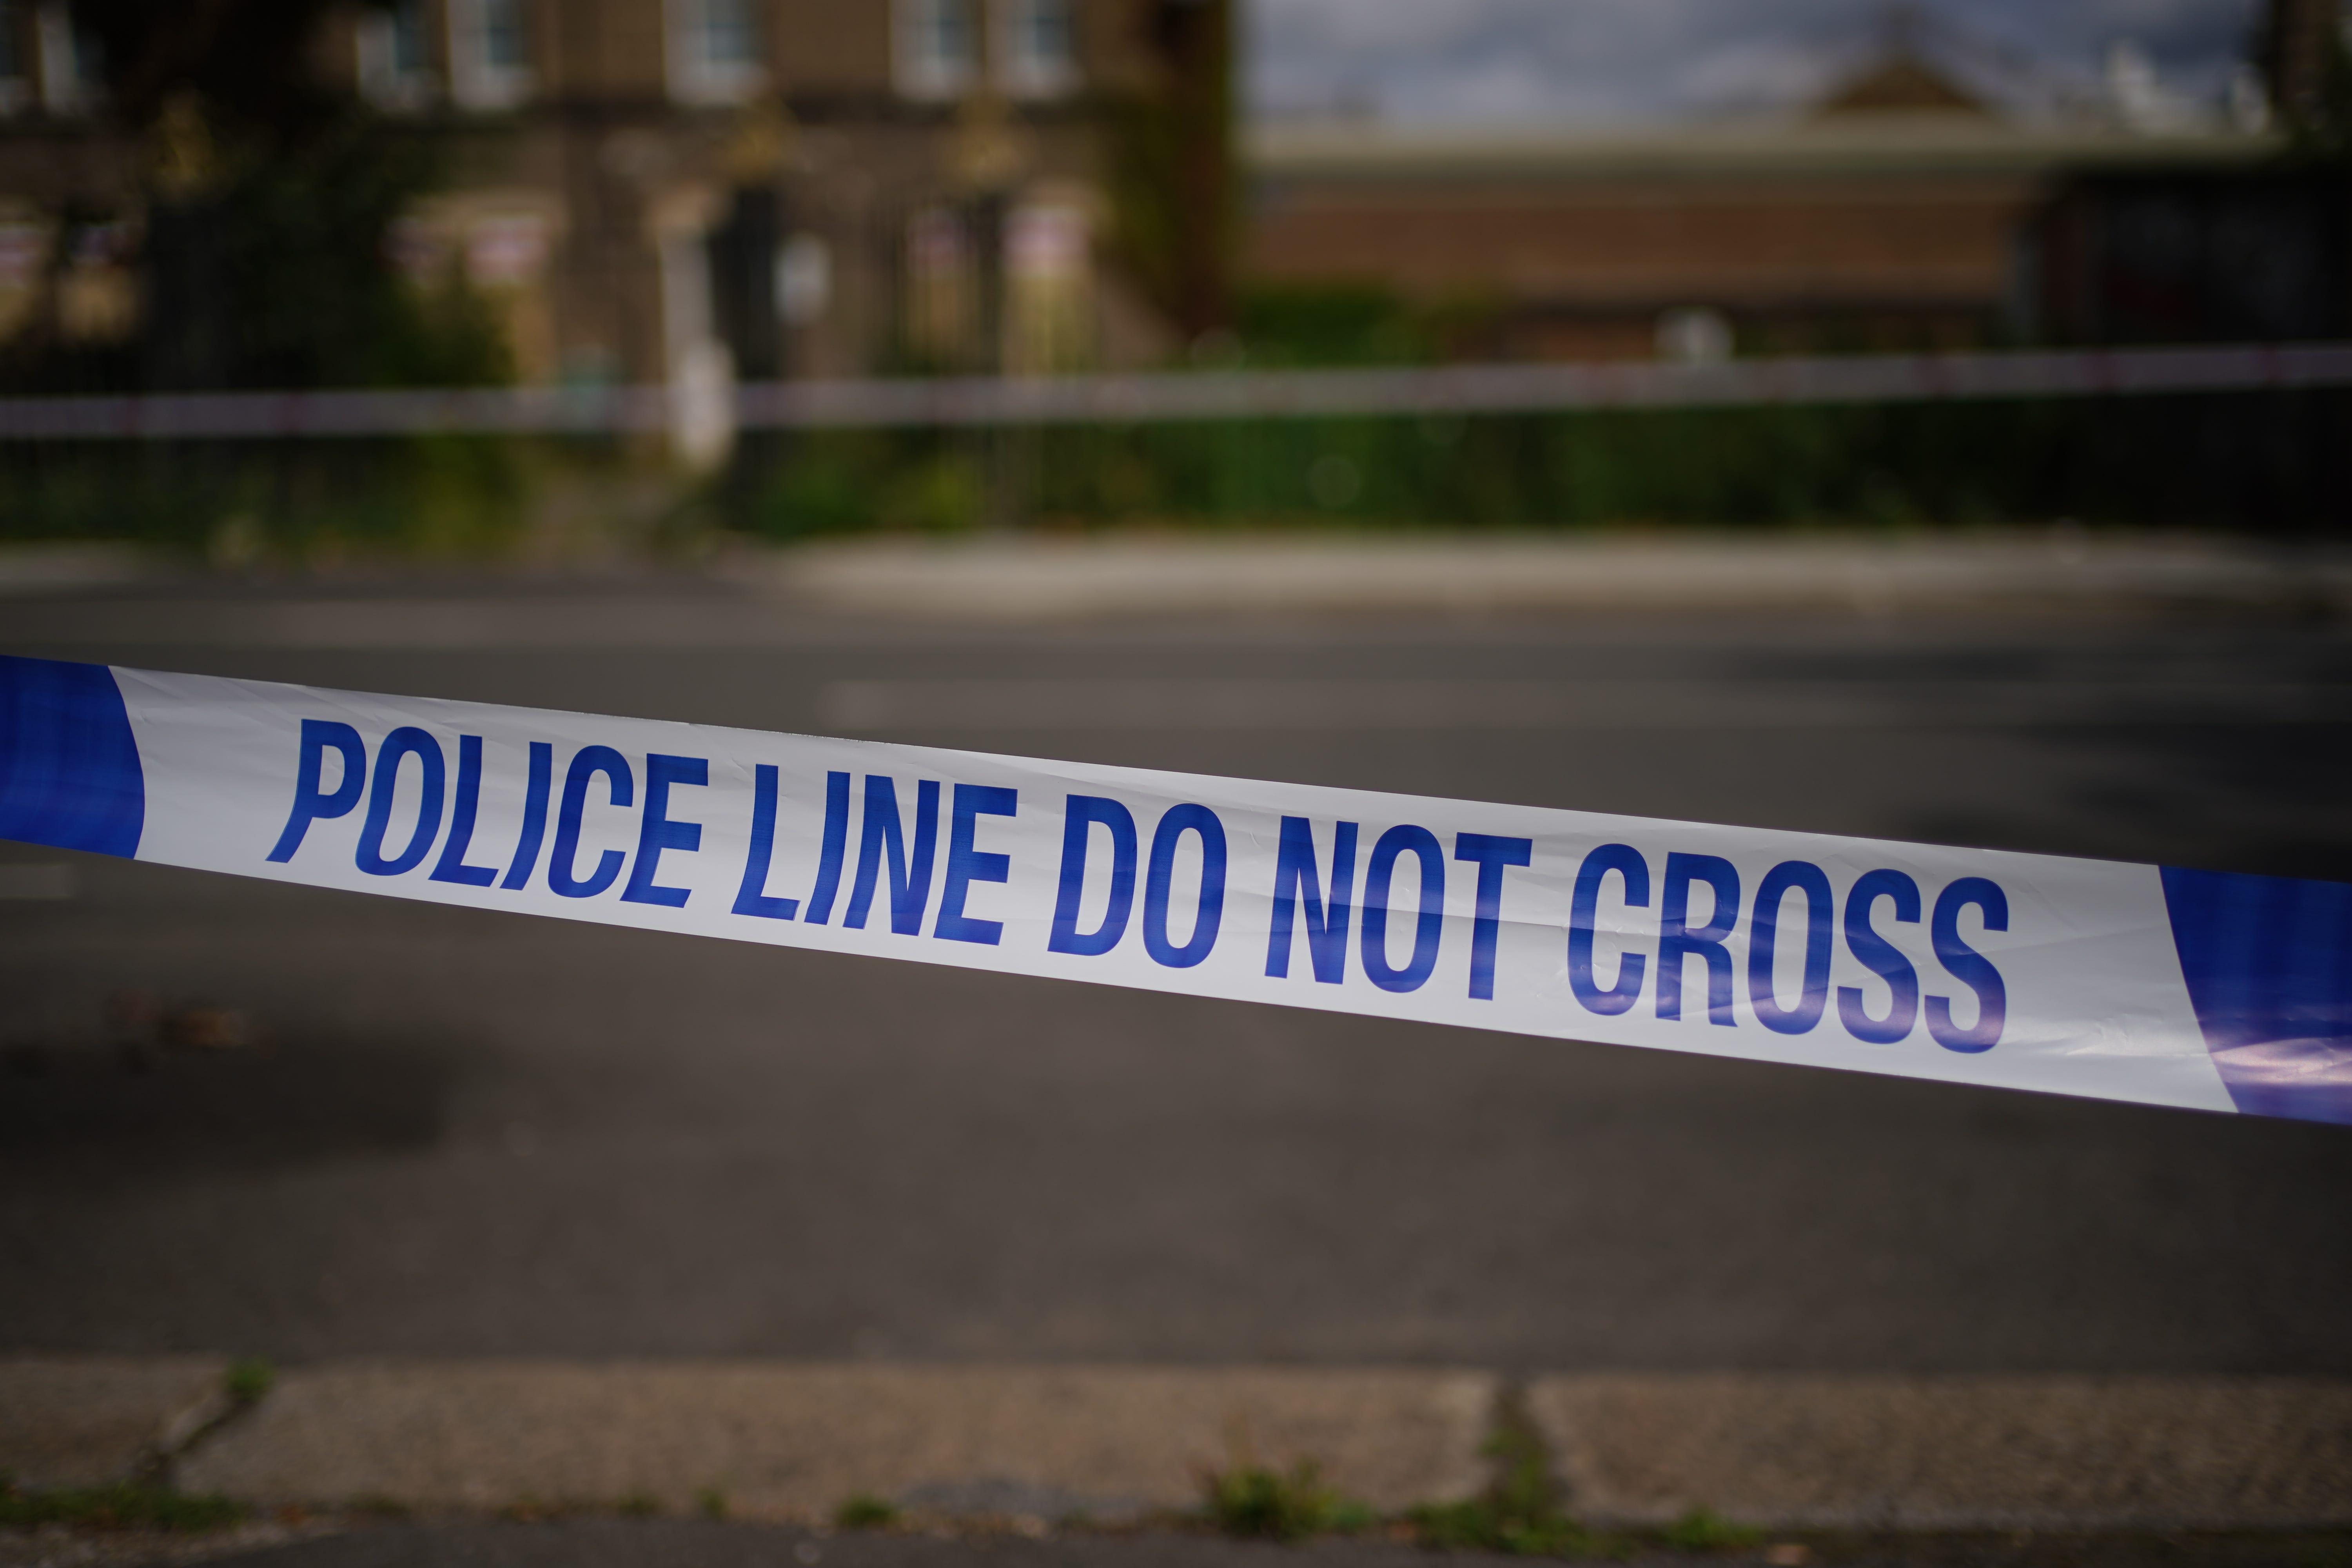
(2269, 966)
(69, 766)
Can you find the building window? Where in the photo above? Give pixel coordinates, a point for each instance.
(714, 51)
(941, 304)
(489, 54)
(15, 91)
(803, 279)
(97, 296)
(1037, 47)
(71, 65)
(24, 258)
(503, 48)
(394, 72)
(1693, 334)
(1049, 282)
(936, 46)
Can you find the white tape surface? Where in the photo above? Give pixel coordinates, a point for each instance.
(1967, 965)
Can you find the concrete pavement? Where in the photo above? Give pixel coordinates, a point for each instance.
(1039, 1447)
(1954, 1453)
(795, 1442)
(2064, 571)
(787, 598)
(82, 1421)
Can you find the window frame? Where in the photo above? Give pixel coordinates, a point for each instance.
(67, 85)
(383, 79)
(693, 76)
(477, 82)
(16, 85)
(918, 70)
(1019, 73)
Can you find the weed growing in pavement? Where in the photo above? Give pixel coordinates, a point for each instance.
(1704, 1529)
(125, 1506)
(249, 1378)
(1256, 1501)
(710, 1502)
(638, 1505)
(865, 1511)
(1519, 1511)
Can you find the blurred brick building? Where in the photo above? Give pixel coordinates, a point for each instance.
(815, 189)
(1887, 215)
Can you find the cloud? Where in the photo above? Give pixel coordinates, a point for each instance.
(1574, 61)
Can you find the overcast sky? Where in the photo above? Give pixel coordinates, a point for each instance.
(1603, 61)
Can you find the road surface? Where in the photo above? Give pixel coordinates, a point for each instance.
(460, 1132)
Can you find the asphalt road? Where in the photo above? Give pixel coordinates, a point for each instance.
(464, 1132)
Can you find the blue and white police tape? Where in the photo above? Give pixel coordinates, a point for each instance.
(1122, 398)
(2135, 982)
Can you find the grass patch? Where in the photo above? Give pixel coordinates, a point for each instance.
(1704, 1529)
(1258, 1503)
(865, 1511)
(249, 1379)
(638, 1505)
(126, 1506)
(1519, 1512)
(1481, 1524)
(710, 1502)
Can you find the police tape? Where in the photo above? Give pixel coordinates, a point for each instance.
(1149, 397)
(2153, 984)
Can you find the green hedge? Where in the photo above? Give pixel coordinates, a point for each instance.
(244, 501)
(2267, 461)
